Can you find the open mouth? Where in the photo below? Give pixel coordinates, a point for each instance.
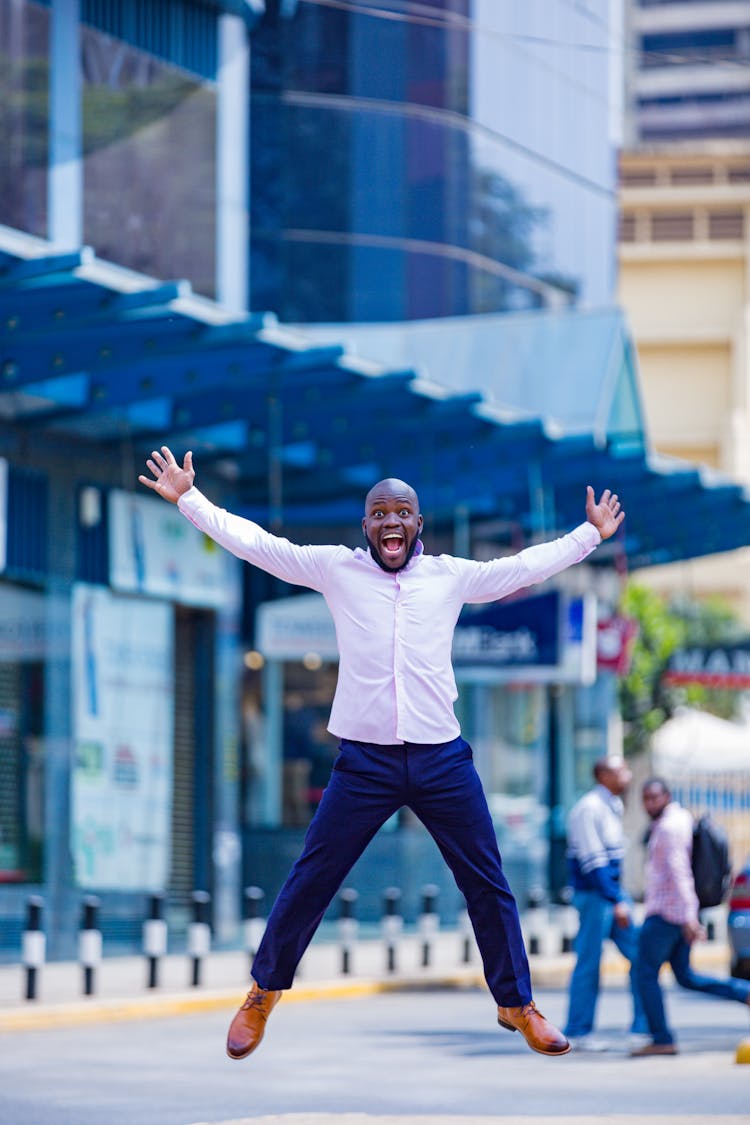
(392, 543)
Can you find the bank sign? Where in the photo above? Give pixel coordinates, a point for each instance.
(550, 638)
(523, 632)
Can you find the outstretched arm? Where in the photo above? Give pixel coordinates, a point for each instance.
(606, 515)
(170, 480)
(304, 566)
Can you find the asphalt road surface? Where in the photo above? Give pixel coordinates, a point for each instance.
(419, 1053)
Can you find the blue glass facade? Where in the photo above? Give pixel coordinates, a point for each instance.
(426, 162)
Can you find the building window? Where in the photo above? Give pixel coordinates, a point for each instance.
(674, 48)
(149, 141)
(627, 228)
(637, 177)
(726, 224)
(672, 226)
(692, 174)
(24, 114)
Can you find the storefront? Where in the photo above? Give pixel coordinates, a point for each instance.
(117, 685)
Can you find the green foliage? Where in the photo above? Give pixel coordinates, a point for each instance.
(645, 700)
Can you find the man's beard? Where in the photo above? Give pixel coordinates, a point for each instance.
(379, 558)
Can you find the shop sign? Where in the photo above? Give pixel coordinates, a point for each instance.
(616, 637)
(154, 549)
(290, 628)
(525, 632)
(724, 666)
(549, 638)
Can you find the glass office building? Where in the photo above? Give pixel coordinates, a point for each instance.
(434, 159)
(406, 160)
(138, 114)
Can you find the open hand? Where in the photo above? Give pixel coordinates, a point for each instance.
(605, 515)
(170, 479)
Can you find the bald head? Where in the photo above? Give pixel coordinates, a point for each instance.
(613, 774)
(389, 489)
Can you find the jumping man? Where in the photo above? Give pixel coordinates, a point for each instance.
(395, 609)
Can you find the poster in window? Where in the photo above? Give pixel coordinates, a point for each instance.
(123, 694)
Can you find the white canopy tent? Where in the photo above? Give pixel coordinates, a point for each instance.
(698, 742)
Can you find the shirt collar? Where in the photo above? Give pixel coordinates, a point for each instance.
(608, 798)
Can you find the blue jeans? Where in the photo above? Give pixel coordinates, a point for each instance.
(368, 784)
(597, 922)
(662, 941)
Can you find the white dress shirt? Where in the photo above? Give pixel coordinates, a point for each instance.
(394, 630)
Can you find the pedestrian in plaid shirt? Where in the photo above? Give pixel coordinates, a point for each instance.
(671, 924)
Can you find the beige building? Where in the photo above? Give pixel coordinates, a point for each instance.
(684, 283)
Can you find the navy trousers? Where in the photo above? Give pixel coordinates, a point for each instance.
(368, 784)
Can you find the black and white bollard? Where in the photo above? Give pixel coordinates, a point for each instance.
(154, 938)
(428, 922)
(534, 920)
(255, 923)
(348, 927)
(466, 930)
(89, 944)
(33, 944)
(392, 926)
(199, 934)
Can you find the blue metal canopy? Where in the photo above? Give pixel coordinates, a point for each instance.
(92, 355)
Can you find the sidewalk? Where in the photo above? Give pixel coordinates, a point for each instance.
(121, 992)
(366, 1119)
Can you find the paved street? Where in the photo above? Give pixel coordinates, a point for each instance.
(427, 1054)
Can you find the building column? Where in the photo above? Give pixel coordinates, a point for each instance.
(61, 895)
(65, 175)
(227, 842)
(273, 704)
(233, 165)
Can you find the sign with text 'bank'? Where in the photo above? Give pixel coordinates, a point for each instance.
(549, 638)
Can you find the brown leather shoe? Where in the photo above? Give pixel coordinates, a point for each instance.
(538, 1032)
(247, 1028)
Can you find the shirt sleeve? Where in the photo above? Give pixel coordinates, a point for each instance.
(300, 565)
(587, 844)
(487, 581)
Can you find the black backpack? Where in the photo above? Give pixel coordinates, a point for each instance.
(712, 869)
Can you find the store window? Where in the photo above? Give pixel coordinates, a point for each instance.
(149, 141)
(307, 749)
(507, 726)
(22, 650)
(24, 111)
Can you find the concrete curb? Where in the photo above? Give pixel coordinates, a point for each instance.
(546, 972)
(178, 1004)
